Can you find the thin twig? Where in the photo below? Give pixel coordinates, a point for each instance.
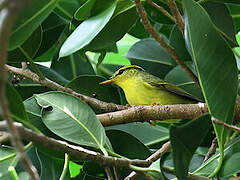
(8, 15)
(4, 136)
(161, 9)
(162, 42)
(212, 149)
(109, 173)
(232, 127)
(24, 65)
(177, 15)
(116, 173)
(166, 147)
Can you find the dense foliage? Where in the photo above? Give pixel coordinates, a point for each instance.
(79, 43)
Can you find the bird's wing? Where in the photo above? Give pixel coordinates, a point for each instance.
(154, 81)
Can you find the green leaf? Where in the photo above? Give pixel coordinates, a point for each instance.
(53, 27)
(107, 70)
(34, 113)
(84, 11)
(66, 8)
(127, 146)
(157, 15)
(185, 140)
(28, 20)
(114, 30)
(89, 85)
(72, 119)
(226, 1)
(216, 67)
(146, 133)
(179, 77)
(86, 31)
(16, 107)
(7, 158)
(52, 75)
(235, 13)
(73, 65)
(176, 40)
(30, 47)
(221, 17)
(230, 162)
(92, 171)
(138, 30)
(28, 89)
(74, 169)
(148, 54)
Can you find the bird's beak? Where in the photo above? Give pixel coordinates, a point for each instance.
(110, 81)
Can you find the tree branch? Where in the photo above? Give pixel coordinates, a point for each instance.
(231, 127)
(161, 41)
(8, 13)
(72, 150)
(161, 9)
(154, 157)
(54, 86)
(155, 112)
(127, 115)
(212, 149)
(178, 17)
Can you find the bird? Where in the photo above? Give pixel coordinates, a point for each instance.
(142, 88)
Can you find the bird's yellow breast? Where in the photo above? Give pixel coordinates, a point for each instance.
(138, 92)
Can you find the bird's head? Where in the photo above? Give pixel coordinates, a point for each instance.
(124, 74)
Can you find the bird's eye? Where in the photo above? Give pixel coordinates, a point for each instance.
(121, 71)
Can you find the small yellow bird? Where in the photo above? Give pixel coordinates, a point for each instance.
(142, 88)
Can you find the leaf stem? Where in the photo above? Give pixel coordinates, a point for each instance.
(65, 167)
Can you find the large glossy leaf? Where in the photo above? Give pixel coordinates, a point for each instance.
(226, 1)
(179, 77)
(16, 107)
(235, 13)
(146, 133)
(127, 146)
(52, 75)
(51, 168)
(28, 20)
(66, 8)
(138, 30)
(216, 67)
(52, 27)
(72, 119)
(151, 56)
(230, 164)
(176, 40)
(185, 140)
(27, 90)
(89, 85)
(73, 65)
(28, 49)
(84, 11)
(221, 17)
(86, 31)
(34, 113)
(7, 158)
(115, 29)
